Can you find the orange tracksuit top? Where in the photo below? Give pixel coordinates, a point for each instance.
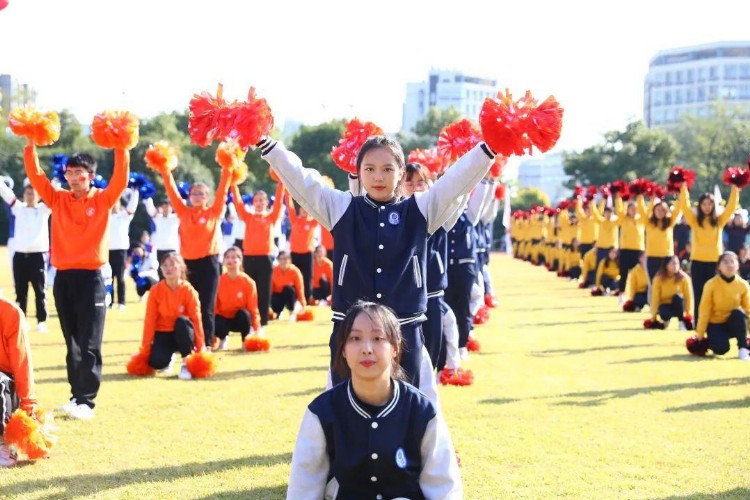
(292, 276)
(258, 227)
(200, 228)
(303, 230)
(163, 308)
(15, 352)
(80, 231)
(325, 268)
(236, 294)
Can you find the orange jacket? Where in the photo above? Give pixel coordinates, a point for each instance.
(326, 239)
(303, 230)
(293, 277)
(15, 352)
(200, 228)
(236, 294)
(80, 231)
(163, 308)
(325, 268)
(258, 227)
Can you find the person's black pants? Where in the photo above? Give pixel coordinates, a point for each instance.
(260, 268)
(181, 340)
(652, 266)
(433, 329)
(719, 334)
(700, 273)
(287, 298)
(675, 309)
(159, 257)
(143, 285)
(80, 303)
(117, 260)
(574, 272)
(31, 268)
(411, 356)
(240, 322)
(601, 254)
(203, 274)
(461, 277)
(609, 283)
(628, 260)
(304, 261)
(585, 247)
(323, 291)
(640, 300)
(9, 401)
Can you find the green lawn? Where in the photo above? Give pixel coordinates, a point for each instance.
(571, 399)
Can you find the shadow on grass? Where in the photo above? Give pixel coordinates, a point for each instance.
(740, 493)
(560, 308)
(557, 323)
(262, 493)
(308, 392)
(567, 352)
(297, 347)
(714, 405)
(498, 401)
(95, 484)
(658, 359)
(264, 372)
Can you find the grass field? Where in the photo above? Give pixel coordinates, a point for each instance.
(571, 399)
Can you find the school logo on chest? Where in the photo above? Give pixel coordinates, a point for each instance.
(393, 218)
(307, 227)
(90, 211)
(181, 309)
(240, 295)
(202, 220)
(400, 458)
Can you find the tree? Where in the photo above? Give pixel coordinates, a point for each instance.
(527, 197)
(313, 144)
(710, 144)
(434, 121)
(629, 154)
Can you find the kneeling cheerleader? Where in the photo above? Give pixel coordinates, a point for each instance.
(671, 296)
(236, 301)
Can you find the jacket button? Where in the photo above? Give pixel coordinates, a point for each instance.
(374, 456)
(374, 425)
(380, 247)
(379, 295)
(382, 224)
(379, 270)
(379, 497)
(373, 479)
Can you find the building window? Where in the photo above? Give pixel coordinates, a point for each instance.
(690, 75)
(679, 76)
(668, 97)
(701, 94)
(745, 72)
(730, 72)
(690, 95)
(728, 92)
(744, 92)
(713, 92)
(658, 98)
(713, 72)
(702, 73)
(678, 96)
(668, 78)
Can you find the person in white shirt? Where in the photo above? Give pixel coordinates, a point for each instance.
(166, 236)
(119, 242)
(143, 268)
(31, 243)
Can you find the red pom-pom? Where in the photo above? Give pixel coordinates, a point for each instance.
(620, 188)
(357, 132)
(500, 192)
(490, 301)
(687, 320)
(115, 130)
(27, 436)
(457, 376)
(639, 186)
(650, 324)
(473, 345)
(737, 176)
(457, 139)
(201, 364)
(138, 365)
(678, 176)
(42, 129)
(254, 343)
(431, 159)
(210, 118)
(250, 120)
(696, 346)
(605, 191)
(482, 316)
(305, 315)
(497, 166)
(564, 205)
(582, 285)
(161, 156)
(629, 306)
(544, 124)
(597, 292)
(658, 191)
(591, 193)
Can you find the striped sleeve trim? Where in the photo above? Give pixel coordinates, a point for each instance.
(266, 145)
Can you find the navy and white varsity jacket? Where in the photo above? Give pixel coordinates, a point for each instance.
(348, 450)
(380, 250)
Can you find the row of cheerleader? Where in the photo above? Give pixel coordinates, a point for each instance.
(409, 274)
(623, 247)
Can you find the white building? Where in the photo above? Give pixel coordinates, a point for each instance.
(14, 94)
(690, 79)
(443, 90)
(546, 173)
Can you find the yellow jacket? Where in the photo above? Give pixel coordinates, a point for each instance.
(631, 228)
(608, 229)
(589, 225)
(588, 263)
(573, 259)
(706, 239)
(637, 282)
(605, 268)
(659, 242)
(535, 228)
(719, 299)
(664, 288)
(568, 231)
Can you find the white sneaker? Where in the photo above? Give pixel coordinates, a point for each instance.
(323, 303)
(295, 312)
(169, 367)
(41, 327)
(222, 344)
(68, 407)
(82, 412)
(744, 354)
(185, 373)
(621, 300)
(681, 326)
(8, 458)
(121, 307)
(464, 352)
(666, 324)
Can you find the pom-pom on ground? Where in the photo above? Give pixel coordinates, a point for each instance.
(201, 364)
(457, 376)
(473, 345)
(653, 324)
(138, 365)
(457, 139)
(490, 301)
(696, 346)
(254, 343)
(306, 315)
(115, 130)
(42, 129)
(482, 316)
(27, 436)
(737, 176)
(356, 133)
(597, 292)
(161, 157)
(629, 306)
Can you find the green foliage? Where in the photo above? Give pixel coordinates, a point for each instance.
(629, 154)
(434, 121)
(313, 144)
(527, 197)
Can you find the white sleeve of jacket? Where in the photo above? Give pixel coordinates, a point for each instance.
(310, 464)
(478, 202)
(462, 202)
(490, 213)
(150, 207)
(427, 382)
(232, 212)
(6, 193)
(440, 476)
(306, 185)
(132, 202)
(441, 201)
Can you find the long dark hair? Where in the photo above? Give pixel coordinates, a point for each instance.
(664, 222)
(377, 313)
(712, 219)
(678, 274)
(607, 260)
